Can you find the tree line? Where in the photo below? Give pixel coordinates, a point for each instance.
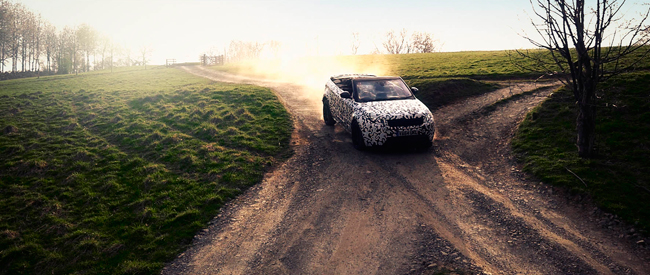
(393, 43)
(400, 42)
(28, 43)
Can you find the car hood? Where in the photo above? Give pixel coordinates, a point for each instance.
(394, 109)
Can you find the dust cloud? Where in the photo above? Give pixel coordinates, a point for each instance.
(311, 72)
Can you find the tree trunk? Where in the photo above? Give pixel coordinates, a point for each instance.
(586, 128)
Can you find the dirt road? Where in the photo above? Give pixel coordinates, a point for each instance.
(461, 205)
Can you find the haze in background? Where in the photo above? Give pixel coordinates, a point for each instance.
(183, 29)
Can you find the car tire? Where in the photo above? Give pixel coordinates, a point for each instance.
(426, 145)
(357, 137)
(327, 114)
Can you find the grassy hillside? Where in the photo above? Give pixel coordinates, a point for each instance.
(617, 179)
(113, 173)
(476, 65)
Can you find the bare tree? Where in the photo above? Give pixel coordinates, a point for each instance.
(37, 47)
(126, 54)
(113, 48)
(145, 51)
(390, 44)
(15, 25)
(66, 51)
(62, 59)
(71, 40)
(275, 47)
(5, 23)
(422, 42)
(244, 50)
(104, 45)
(49, 45)
(355, 43)
(87, 39)
(396, 43)
(24, 29)
(376, 50)
(49, 39)
(255, 49)
(586, 49)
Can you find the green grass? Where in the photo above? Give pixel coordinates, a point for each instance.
(114, 173)
(617, 179)
(494, 65)
(438, 92)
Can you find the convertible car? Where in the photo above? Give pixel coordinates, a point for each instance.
(377, 111)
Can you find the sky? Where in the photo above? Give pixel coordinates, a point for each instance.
(184, 29)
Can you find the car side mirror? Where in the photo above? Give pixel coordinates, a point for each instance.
(345, 94)
(415, 90)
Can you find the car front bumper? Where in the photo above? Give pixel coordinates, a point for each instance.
(382, 134)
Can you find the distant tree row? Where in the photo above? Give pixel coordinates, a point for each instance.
(29, 43)
(393, 43)
(239, 50)
(399, 43)
(244, 50)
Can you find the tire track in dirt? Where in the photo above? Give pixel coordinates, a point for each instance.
(463, 205)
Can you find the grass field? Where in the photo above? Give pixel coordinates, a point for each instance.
(114, 173)
(617, 179)
(490, 65)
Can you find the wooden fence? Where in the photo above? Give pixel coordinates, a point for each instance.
(207, 60)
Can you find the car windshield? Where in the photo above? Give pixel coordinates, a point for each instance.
(381, 89)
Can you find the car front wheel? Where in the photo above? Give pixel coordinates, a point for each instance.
(327, 114)
(426, 145)
(357, 137)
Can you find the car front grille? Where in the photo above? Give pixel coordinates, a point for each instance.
(405, 122)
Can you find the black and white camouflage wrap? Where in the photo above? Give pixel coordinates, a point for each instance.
(373, 116)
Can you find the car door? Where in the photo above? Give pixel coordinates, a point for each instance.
(335, 101)
(347, 110)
